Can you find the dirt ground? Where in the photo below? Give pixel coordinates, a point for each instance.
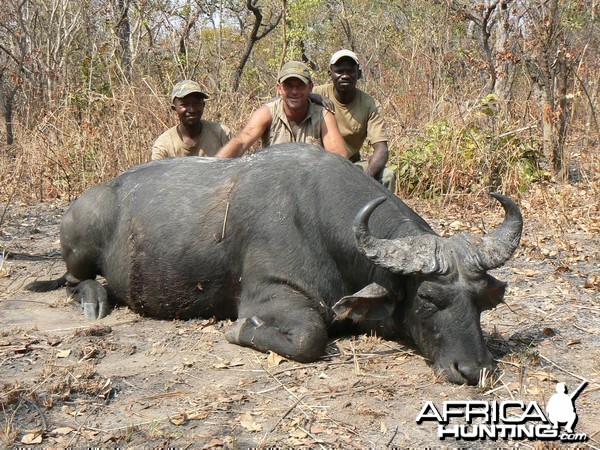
(132, 382)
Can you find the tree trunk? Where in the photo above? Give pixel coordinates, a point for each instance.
(123, 37)
(6, 103)
(505, 57)
(564, 108)
(10, 137)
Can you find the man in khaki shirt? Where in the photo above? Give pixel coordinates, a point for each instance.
(289, 118)
(358, 116)
(193, 136)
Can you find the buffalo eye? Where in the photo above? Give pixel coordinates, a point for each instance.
(434, 295)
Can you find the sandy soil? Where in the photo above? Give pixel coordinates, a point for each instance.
(134, 382)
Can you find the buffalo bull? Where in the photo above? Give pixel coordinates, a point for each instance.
(291, 243)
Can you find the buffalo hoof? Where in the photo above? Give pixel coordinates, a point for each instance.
(233, 334)
(93, 299)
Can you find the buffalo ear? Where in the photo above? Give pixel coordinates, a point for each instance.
(493, 294)
(370, 303)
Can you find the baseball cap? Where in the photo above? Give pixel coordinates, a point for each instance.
(186, 87)
(343, 54)
(295, 69)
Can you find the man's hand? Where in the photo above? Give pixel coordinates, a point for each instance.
(322, 101)
(378, 159)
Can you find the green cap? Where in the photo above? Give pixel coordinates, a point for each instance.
(295, 69)
(186, 87)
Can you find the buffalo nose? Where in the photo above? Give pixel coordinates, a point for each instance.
(472, 372)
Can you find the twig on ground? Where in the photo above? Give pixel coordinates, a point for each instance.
(306, 366)
(354, 358)
(24, 301)
(80, 428)
(561, 368)
(393, 437)
(288, 411)
(316, 439)
(585, 307)
(584, 329)
(300, 400)
(502, 386)
(288, 390)
(86, 327)
(35, 406)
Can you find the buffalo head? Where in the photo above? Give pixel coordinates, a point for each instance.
(446, 288)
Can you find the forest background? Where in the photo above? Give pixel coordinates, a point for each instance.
(477, 96)
(491, 95)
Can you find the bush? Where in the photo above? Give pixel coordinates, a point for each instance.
(446, 158)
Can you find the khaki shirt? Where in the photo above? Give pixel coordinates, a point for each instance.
(283, 130)
(212, 138)
(359, 120)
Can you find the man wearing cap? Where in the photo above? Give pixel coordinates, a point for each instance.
(192, 136)
(358, 116)
(289, 118)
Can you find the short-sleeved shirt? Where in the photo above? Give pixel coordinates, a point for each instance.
(283, 130)
(358, 121)
(212, 138)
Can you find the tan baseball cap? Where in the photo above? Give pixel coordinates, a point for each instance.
(187, 87)
(295, 69)
(343, 54)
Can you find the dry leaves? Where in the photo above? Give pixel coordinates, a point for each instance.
(184, 417)
(593, 282)
(273, 360)
(4, 268)
(249, 423)
(32, 437)
(526, 272)
(63, 354)
(62, 431)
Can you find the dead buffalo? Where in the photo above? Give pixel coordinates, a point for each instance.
(290, 242)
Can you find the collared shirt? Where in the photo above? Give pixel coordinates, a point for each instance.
(283, 130)
(212, 138)
(358, 121)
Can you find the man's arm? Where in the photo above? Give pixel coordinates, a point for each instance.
(163, 147)
(258, 123)
(332, 139)
(378, 159)
(158, 153)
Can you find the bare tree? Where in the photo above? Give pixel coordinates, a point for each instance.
(551, 64)
(8, 91)
(13, 50)
(259, 31)
(498, 35)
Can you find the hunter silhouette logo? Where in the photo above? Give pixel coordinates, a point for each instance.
(561, 406)
(471, 420)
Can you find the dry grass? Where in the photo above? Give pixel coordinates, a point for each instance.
(88, 138)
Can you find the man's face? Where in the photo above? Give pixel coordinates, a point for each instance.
(294, 93)
(189, 109)
(344, 75)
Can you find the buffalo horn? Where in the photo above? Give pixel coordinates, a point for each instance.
(428, 253)
(497, 247)
(422, 253)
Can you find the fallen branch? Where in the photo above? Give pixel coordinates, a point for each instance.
(561, 368)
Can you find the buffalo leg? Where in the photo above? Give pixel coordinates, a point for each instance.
(287, 326)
